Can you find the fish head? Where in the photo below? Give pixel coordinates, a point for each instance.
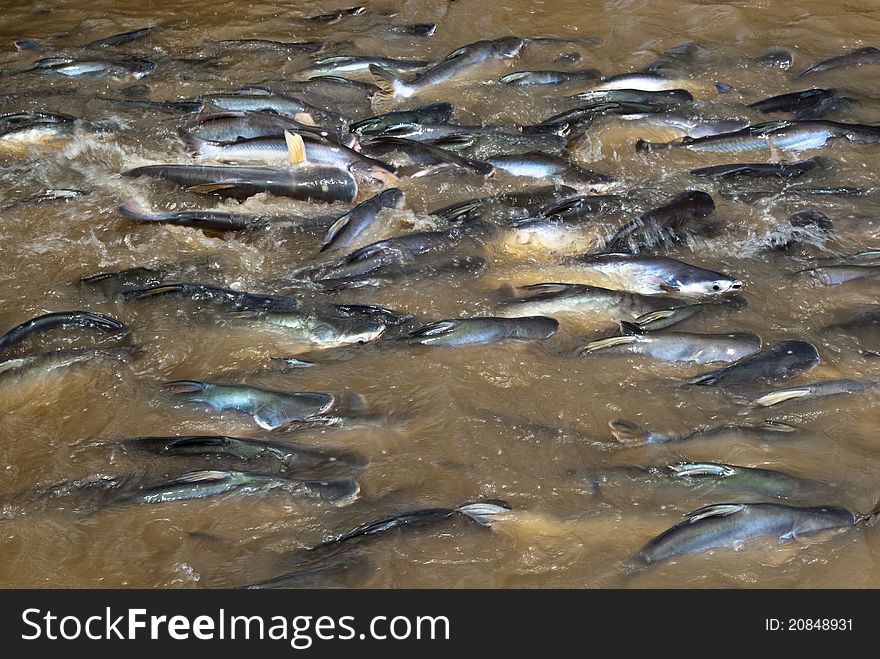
(509, 46)
(709, 287)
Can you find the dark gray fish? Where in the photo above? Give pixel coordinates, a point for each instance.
(632, 434)
(62, 320)
(168, 107)
(426, 158)
(121, 39)
(860, 57)
(207, 219)
(288, 456)
(639, 97)
(479, 331)
(209, 483)
(532, 78)
(333, 16)
(118, 68)
(543, 165)
(426, 132)
(350, 226)
(685, 213)
(256, 99)
(780, 361)
(778, 58)
(506, 206)
(312, 183)
(483, 513)
(373, 312)
(794, 102)
(122, 280)
(436, 113)
(286, 47)
(457, 64)
(234, 300)
(760, 170)
(415, 29)
(580, 118)
(270, 409)
(731, 525)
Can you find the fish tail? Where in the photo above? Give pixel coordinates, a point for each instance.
(388, 83)
(629, 433)
(134, 211)
(195, 146)
(610, 342)
(871, 517)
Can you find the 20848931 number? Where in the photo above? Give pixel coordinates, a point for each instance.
(819, 624)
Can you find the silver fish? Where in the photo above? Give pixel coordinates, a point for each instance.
(679, 346)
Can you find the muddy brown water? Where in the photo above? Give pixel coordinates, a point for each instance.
(515, 422)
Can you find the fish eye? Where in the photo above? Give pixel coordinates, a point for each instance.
(716, 287)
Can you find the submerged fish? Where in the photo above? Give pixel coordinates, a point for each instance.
(62, 320)
(482, 330)
(319, 330)
(289, 456)
(780, 361)
(665, 318)
(589, 304)
(530, 78)
(235, 300)
(544, 165)
(209, 483)
(286, 47)
(732, 525)
(118, 68)
(207, 219)
(655, 275)
(687, 211)
(809, 391)
(458, 64)
(353, 66)
(482, 513)
(632, 434)
(833, 275)
(121, 39)
(679, 346)
(21, 130)
(426, 158)
(504, 206)
(33, 368)
(315, 183)
(860, 57)
(256, 99)
(759, 170)
(270, 409)
(807, 104)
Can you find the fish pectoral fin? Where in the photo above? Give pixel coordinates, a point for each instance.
(334, 230)
(610, 342)
(484, 513)
(668, 288)
(210, 187)
(777, 397)
(715, 510)
(142, 293)
(685, 469)
(206, 476)
(435, 329)
(296, 148)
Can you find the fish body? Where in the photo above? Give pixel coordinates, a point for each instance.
(270, 409)
(780, 361)
(350, 226)
(61, 320)
(483, 330)
(679, 346)
(733, 525)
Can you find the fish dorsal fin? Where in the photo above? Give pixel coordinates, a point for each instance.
(153, 291)
(628, 432)
(685, 469)
(533, 290)
(715, 510)
(296, 148)
(305, 118)
(435, 329)
(207, 476)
